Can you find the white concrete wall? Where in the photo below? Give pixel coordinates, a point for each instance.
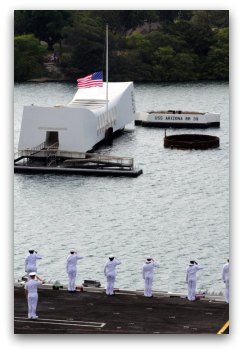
(125, 107)
(76, 127)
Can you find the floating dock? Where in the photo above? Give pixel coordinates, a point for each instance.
(74, 171)
(90, 311)
(51, 160)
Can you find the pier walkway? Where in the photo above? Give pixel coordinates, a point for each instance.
(92, 312)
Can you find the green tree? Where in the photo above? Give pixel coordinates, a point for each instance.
(199, 37)
(125, 20)
(211, 18)
(84, 42)
(186, 44)
(46, 25)
(216, 65)
(28, 57)
(168, 15)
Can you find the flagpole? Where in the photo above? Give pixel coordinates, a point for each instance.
(107, 72)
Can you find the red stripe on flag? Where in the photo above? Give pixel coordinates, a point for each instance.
(88, 81)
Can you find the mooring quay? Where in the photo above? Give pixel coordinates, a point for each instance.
(128, 312)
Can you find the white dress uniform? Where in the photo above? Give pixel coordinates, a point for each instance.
(30, 262)
(31, 286)
(71, 267)
(225, 277)
(148, 272)
(191, 280)
(110, 273)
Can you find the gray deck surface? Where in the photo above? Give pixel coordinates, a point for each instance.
(61, 312)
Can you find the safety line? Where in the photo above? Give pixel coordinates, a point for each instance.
(61, 322)
(224, 327)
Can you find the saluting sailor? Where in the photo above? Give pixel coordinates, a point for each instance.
(110, 273)
(225, 277)
(148, 272)
(191, 279)
(32, 294)
(30, 261)
(71, 267)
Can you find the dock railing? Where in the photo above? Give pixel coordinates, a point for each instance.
(46, 153)
(38, 148)
(52, 151)
(112, 159)
(32, 150)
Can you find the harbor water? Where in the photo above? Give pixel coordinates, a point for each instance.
(176, 211)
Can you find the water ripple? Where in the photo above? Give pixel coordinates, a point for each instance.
(176, 211)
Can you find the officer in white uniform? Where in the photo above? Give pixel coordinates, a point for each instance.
(148, 272)
(110, 273)
(71, 267)
(30, 261)
(225, 277)
(32, 294)
(191, 279)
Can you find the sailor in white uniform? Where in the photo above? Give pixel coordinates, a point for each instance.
(148, 272)
(30, 261)
(110, 273)
(32, 294)
(71, 267)
(191, 279)
(225, 277)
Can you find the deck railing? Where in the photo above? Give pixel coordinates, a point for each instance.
(38, 148)
(111, 159)
(52, 152)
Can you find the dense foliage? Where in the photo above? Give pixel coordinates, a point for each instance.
(28, 57)
(143, 45)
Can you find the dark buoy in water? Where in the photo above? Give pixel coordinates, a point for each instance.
(191, 141)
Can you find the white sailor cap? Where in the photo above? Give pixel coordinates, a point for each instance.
(149, 257)
(33, 273)
(111, 256)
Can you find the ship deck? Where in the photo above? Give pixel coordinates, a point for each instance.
(92, 312)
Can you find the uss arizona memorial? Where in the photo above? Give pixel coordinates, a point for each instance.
(83, 123)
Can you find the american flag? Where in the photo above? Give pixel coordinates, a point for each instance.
(94, 80)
